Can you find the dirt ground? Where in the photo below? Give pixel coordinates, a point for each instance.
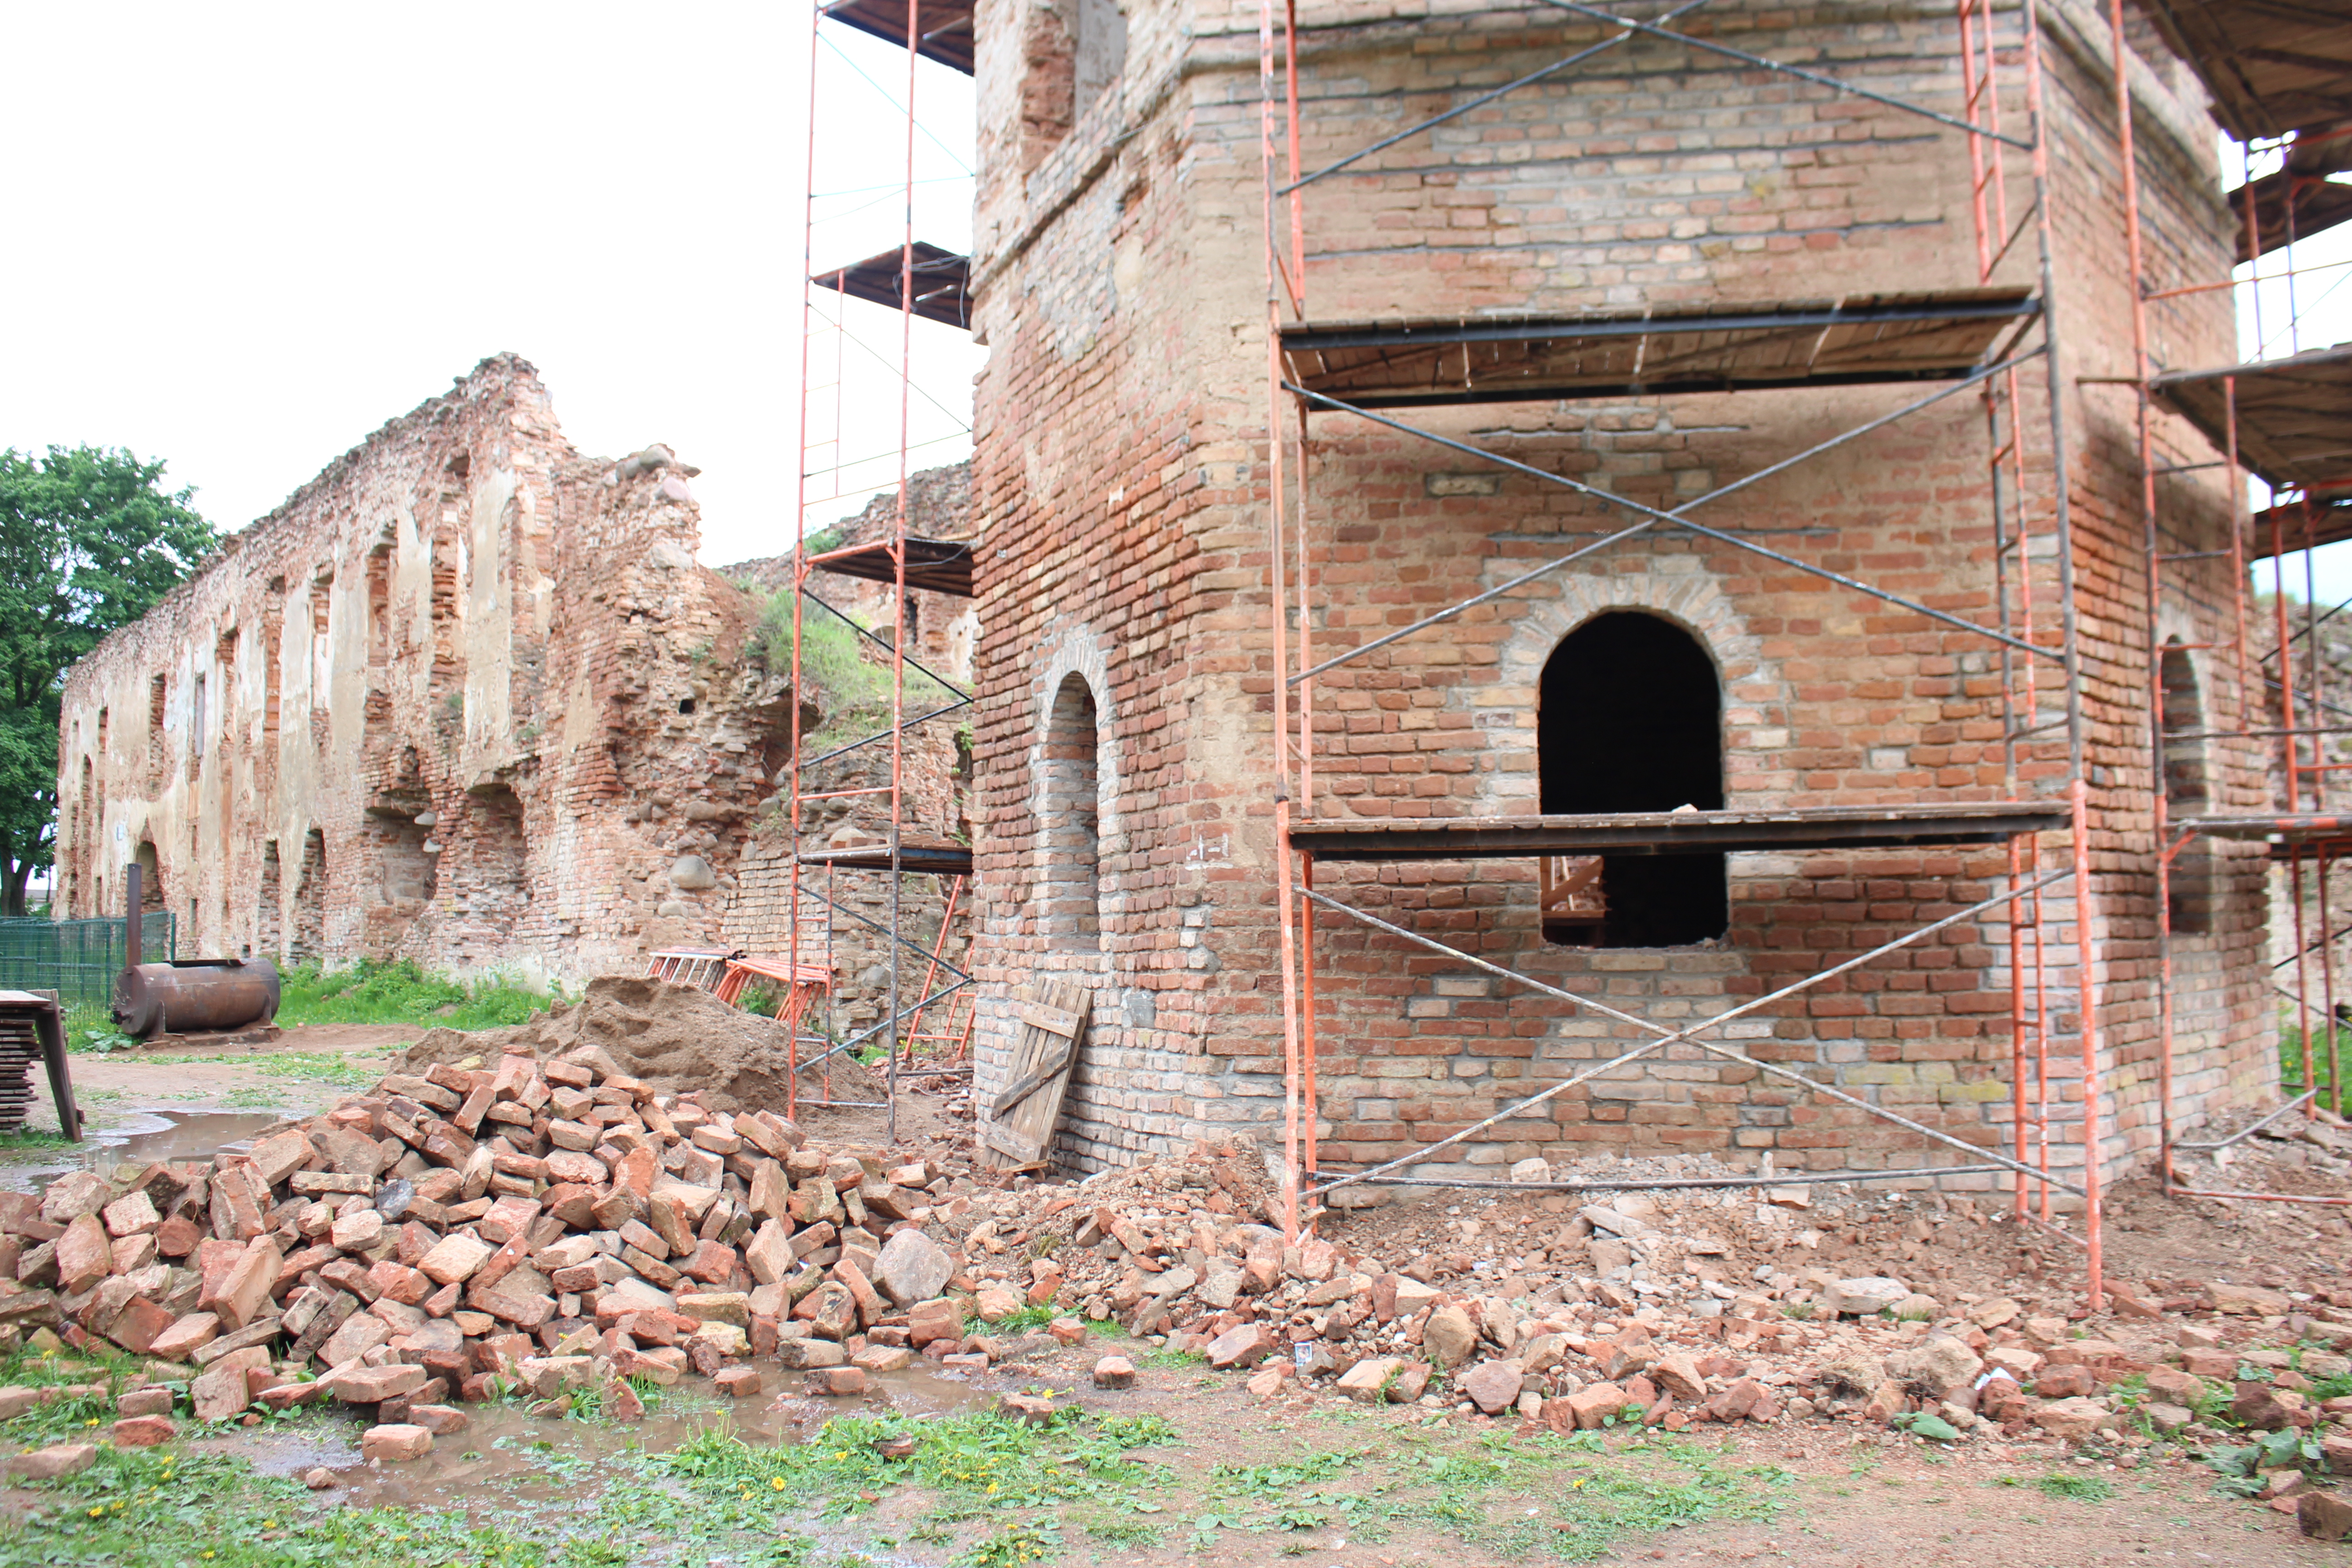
(1319, 1481)
(1312, 1478)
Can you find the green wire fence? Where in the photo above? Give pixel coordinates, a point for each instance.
(79, 959)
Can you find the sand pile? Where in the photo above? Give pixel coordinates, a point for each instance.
(675, 1039)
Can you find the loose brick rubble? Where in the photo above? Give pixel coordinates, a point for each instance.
(542, 1225)
(1669, 1307)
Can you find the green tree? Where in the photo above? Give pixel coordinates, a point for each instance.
(88, 542)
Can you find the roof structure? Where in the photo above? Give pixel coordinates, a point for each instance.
(1725, 348)
(943, 27)
(2272, 66)
(2288, 207)
(942, 283)
(1675, 833)
(2293, 415)
(936, 565)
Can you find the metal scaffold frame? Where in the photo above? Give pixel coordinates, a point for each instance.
(2034, 631)
(2302, 829)
(915, 279)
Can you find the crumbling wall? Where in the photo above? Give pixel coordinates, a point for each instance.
(466, 698)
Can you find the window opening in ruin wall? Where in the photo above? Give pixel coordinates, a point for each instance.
(156, 692)
(1630, 718)
(322, 591)
(269, 930)
(1070, 891)
(309, 936)
(1073, 52)
(379, 638)
(151, 876)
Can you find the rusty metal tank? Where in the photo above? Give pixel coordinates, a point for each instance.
(189, 993)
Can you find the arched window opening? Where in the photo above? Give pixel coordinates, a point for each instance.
(2187, 792)
(1070, 894)
(270, 925)
(308, 939)
(1631, 719)
(151, 877)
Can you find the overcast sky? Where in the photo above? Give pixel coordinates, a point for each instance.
(244, 237)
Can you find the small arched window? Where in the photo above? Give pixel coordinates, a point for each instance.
(2187, 792)
(1631, 719)
(1070, 891)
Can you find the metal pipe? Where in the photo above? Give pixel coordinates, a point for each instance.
(2083, 958)
(2252, 1128)
(1277, 541)
(1777, 1179)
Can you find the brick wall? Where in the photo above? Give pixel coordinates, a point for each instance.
(1120, 480)
(465, 697)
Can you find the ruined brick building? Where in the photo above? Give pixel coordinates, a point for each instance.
(1126, 748)
(467, 698)
(532, 718)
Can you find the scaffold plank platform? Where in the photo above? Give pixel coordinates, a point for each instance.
(942, 283)
(935, 565)
(929, 858)
(943, 27)
(2285, 830)
(2272, 66)
(2295, 414)
(1727, 348)
(2329, 521)
(1677, 833)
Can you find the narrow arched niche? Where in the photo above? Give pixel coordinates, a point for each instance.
(1070, 888)
(2190, 880)
(1631, 719)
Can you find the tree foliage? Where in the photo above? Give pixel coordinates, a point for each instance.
(88, 542)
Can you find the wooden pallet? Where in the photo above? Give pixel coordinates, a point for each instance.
(1019, 1129)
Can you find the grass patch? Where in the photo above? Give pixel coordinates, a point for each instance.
(2079, 1487)
(851, 670)
(1025, 1320)
(974, 1465)
(161, 1507)
(2290, 1040)
(32, 1138)
(397, 992)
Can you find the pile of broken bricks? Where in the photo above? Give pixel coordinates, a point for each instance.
(1174, 1251)
(534, 1228)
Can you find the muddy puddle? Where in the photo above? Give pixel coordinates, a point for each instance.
(139, 1138)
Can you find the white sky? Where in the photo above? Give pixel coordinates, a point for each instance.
(244, 237)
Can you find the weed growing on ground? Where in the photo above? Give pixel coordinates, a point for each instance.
(1026, 1319)
(2081, 1488)
(397, 992)
(31, 1138)
(973, 1464)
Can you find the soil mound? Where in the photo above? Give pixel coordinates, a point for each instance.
(678, 1038)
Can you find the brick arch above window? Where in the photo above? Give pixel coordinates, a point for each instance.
(1757, 701)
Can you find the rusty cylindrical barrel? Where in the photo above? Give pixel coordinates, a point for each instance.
(152, 999)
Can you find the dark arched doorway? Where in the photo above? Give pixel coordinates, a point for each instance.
(1631, 719)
